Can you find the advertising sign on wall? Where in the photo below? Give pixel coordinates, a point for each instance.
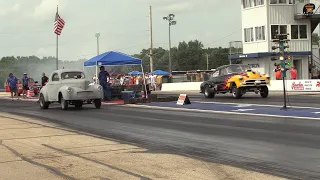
(302, 85)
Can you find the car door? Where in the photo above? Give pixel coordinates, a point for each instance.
(53, 86)
(221, 80)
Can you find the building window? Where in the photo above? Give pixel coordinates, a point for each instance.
(248, 34)
(247, 3)
(299, 32)
(260, 33)
(303, 31)
(278, 29)
(258, 2)
(282, 1)
(292, 2)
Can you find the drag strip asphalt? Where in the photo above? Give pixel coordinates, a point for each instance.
(233, 108)
(283, 146)
(305, 100)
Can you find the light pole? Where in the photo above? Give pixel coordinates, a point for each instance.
(171, 22)
(97, 36)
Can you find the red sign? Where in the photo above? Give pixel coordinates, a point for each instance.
(297, 87)
(181, 98)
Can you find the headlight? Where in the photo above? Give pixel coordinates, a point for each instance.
(267, 76)
(99, 88)
(69, 90)
(240, 77)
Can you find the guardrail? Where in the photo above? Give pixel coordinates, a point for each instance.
(311, 85)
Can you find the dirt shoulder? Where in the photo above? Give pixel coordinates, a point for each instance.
(31, 149)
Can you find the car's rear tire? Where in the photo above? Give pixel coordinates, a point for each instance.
(43, 103)
(97, 103)
(64, 104)
(209, 92)
(264, 91)
(236, 93)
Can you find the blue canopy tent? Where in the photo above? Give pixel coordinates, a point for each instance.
(114, 58)
(135, 73)
(160, 72)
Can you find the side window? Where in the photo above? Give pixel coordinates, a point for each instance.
(223, 72)
(55, 77)
(215, 74)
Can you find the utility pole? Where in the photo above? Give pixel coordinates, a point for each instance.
(207, 61)
(97, 36)
(230, 53)
(151, 40)
(171, 22)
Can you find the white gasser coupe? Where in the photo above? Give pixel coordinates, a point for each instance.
(69, 87)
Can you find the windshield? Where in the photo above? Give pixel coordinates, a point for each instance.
(72, 75)
(238, 68)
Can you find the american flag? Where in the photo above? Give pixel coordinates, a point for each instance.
(58, 24)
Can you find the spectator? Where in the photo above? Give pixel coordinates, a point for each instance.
(25, 85)
(104, 78)
(153, 79)
(293, 73)
(277, 71)
(13, 84)
(44, 79)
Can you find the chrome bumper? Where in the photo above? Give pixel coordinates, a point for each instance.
(253, 83)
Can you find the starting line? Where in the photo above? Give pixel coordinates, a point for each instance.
(233, 108)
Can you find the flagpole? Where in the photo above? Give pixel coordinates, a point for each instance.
(57, 61)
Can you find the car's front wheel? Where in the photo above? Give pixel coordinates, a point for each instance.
(64, 104)
(236, 93)
(43, 103)
(97, 103)
(209, 92)
(264, 92)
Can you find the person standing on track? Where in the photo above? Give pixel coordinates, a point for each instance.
(25, 85)
(104, 78)
(13, 85)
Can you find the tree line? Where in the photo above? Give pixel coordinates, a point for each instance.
(186, 56)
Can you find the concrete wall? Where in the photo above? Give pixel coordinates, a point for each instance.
(275, 85)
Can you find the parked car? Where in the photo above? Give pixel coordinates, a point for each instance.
(236, 79)
(69, 87)
(32, 86)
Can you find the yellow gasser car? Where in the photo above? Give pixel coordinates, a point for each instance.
(236, 79)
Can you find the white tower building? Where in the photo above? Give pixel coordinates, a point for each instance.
(263, 19)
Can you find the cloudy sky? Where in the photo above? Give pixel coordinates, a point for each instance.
(27, 25)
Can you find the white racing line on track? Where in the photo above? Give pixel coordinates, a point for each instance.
(218, 112)
(266, 105)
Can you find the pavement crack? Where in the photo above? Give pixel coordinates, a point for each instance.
(52, 169)
(98, 162)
